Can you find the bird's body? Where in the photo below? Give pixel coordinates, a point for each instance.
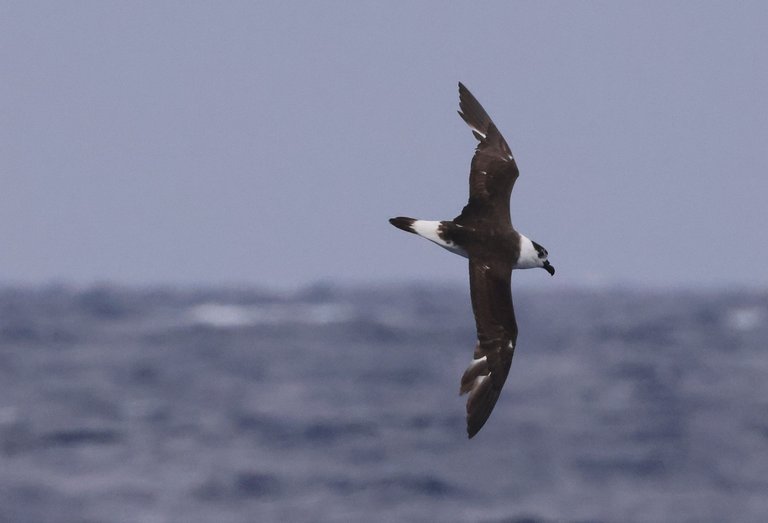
(457, 239)
(483, 233)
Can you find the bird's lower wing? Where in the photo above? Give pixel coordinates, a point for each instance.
(489, 281)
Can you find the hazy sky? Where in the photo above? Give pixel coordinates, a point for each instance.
(268, 142)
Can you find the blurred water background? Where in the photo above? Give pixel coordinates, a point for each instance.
(168, 405)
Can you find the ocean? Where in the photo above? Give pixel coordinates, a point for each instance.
(340, 404)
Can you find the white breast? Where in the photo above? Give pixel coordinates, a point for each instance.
(529, 257)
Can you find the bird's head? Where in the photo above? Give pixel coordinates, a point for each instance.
(544, 262)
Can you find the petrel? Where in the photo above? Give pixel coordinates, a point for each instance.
(484, 234)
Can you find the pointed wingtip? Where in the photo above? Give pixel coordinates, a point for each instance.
(463, 91)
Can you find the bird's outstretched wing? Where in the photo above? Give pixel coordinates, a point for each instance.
(489, 283)
(493, 172)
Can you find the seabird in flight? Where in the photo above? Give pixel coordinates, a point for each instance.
(483, 233)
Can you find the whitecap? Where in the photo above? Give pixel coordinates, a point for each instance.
(746, 318)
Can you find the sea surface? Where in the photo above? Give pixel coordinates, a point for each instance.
(165, 405)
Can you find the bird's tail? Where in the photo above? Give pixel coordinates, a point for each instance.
(403, 223)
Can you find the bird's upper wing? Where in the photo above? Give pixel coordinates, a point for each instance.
(493, 172)
(489, 282)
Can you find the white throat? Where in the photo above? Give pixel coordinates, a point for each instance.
(529, 257)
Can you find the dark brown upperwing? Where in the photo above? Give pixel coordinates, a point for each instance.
(493, 171)
(489, 282)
